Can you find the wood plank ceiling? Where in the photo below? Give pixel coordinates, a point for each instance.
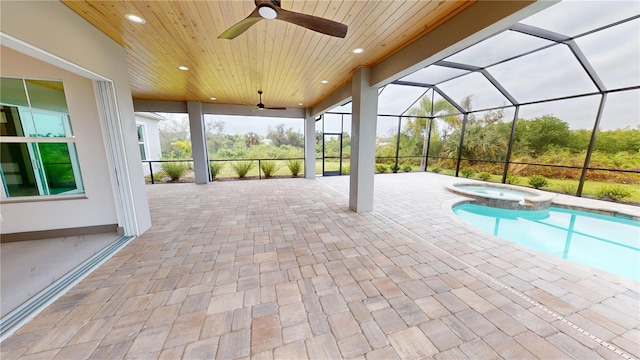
(286, 61)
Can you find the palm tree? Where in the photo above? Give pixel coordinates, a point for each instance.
(425, 108)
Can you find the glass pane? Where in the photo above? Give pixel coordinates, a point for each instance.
(422, 106)
(12, 92)
(498, 48)
(443, 107)
(547, 74)
(47, 95)
(413, 143)
(17, 173)
(12, 121)
(487, 135)
(413, 136)
(556, 132)
(577, 17)
(614, 53)
(444, 143)
(474, 92)
(346, 108)
(617, 146)
(433, 75)
(619, 130)
(51, 124)
(397, 99)
(319, 125)
(140, 133)
(346, 141)
(143, 154)
(58, 164)
(332, 145)
(332, 123)
(386, 134)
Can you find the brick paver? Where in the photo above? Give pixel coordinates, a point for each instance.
(281, 269)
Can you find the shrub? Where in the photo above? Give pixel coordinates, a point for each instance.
(512, 179)
(215, 168)
(268, 168)
(484, 176)
(613, 192)
(242, 168)
(467, 172)
(381, 168)
(406, 168)
(294, 166)
(394, 168)
(538, 181)
(346, 170)
(436, 170)
(174, 170)
(568, 188)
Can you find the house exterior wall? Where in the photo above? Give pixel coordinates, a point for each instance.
(98, 208)
(70, 40)
(152, 141)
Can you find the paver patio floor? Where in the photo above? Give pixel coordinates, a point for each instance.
(282, 269)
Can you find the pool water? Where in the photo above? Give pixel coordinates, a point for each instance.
(496, 192)
(604, 242)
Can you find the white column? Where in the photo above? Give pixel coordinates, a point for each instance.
(198, 142)
(309, 146)
(363, 141)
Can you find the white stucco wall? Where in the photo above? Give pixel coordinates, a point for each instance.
(64, 37)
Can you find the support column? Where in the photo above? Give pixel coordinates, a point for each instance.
(363, 141)
(309, 146)
(198, 142)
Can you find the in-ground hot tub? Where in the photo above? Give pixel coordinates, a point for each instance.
(503, 196)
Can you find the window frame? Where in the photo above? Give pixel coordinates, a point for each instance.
(37, 163)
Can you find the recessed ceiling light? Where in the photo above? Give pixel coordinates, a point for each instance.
(324, 81)
(135, 18)
(358, 51)
(300, 104)
(214, 98)
(183, 68)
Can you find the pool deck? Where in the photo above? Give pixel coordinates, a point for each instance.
(281, 269)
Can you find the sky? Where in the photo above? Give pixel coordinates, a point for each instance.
(550, 73)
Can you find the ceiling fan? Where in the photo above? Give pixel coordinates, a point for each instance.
(261, 106)
(270, 9)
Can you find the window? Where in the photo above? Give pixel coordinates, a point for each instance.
(141, 137)
(37, 147)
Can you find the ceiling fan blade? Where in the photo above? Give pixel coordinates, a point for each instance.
(321, 25)
(275, 108)
(241, 26)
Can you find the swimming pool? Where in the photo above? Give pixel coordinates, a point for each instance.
(604, 242)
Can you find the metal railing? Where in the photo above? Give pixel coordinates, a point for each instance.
(259, 160)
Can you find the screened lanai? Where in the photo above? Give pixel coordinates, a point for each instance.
(555, 95)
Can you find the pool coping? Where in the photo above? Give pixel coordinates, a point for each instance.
(537, 201)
